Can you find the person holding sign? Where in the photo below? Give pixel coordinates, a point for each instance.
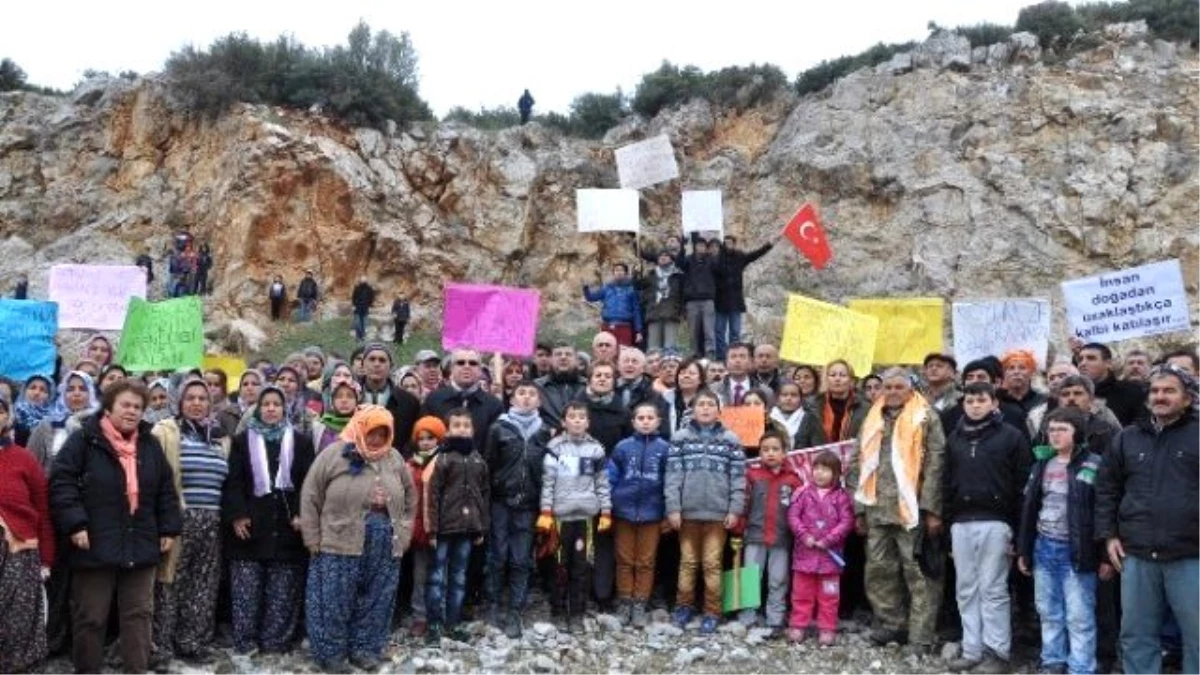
(662, 296)
(731, 292)
(699, 296)
(898, 497)
(621, 310)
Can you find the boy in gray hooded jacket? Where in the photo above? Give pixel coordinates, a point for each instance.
(574, 490)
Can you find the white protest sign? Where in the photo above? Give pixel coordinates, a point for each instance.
(992, 327)
(607, 210)
(702, 211)
(95, 296)
(640, 165)
(1135, 302)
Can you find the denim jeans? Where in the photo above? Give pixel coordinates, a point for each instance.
(1148, 589)
(447, 583)
(729, 331)
(360, 326)
(510, 547)
(306, 308)
(1066, 603)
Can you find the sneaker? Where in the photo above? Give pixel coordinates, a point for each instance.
(1053, 668)
(827, 638)
(366, 662)
(333, 666)
(708, 625)
(638, 616)
(625, 611)
(992, 665)
(682, 617)
(962, 664)
(796, 635)
(885, 636)
(434, 635)
(418, 629)
(458, 634)
(512, 626)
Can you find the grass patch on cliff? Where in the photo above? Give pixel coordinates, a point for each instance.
(337, 336)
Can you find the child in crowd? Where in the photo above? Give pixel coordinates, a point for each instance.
(636, 472)
(757, 398)
(574, 490)
(1057, 546)
(516, 448)
(821, 517)
(426, 438)
(770, 489)
(456, 509)
(789, 409)
(705, 496)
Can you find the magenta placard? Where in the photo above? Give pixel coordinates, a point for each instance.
(490, 318)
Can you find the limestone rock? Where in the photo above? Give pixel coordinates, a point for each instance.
(945, 171)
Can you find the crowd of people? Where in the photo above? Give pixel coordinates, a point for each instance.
(338, 497)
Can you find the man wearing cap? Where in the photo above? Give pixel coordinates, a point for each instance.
(429, 370)
(307, 293)
(1019, 369)
(1147, 514)
(464, 390)
(941, 391)
(377, 388)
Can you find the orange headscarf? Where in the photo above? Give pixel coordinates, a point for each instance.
(1020, 355)
(366, 419)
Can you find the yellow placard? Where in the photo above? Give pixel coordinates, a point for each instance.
(233, 366)
(817, 332)
(909, 328)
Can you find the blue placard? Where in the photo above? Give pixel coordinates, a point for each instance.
(29, 329)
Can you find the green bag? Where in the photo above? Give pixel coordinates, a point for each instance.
(741, 587)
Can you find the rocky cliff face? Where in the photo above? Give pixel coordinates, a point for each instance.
(948, 171)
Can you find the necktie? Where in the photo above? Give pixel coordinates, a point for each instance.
(737, 393)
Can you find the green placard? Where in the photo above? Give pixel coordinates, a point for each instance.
(741, 588)
(162, 335)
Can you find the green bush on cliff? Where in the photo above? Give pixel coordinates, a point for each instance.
(736, 87)
(371, 79)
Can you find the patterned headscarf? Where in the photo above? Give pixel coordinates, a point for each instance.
(29, 414)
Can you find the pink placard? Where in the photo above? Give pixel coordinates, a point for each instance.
(490, 318)
(801, 460)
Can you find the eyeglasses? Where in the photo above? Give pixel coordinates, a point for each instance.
(465, 362)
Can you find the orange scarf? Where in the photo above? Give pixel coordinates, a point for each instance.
(366, 419)
(908, 452)
(126, 451)
(827, 419)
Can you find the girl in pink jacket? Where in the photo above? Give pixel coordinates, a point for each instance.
(821, 517)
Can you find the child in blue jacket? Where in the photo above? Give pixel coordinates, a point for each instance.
(621, 306)
(636, 475)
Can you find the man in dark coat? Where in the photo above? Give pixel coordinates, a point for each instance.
(307, 293)
(731, 292)
(1126, 398)
(362, 297)
(525, 106)
(401, 313)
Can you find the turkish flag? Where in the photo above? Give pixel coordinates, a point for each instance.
(806, 234)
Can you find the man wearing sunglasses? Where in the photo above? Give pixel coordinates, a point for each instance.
(464, 390)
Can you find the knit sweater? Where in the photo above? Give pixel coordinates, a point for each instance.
(24, 501)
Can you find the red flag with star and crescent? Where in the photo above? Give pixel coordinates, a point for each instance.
(805, 232)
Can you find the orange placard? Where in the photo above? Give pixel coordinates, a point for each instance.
(746, 422)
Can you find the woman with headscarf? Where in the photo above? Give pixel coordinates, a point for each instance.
(249, 385)
(99, 351)
(357, 512)
(76, 400)
(218, 390)
(27, 550)
(410, 381)
(35, 404)
(185, 594)
(340, 403)
(159, 407)
(290, 380)
(113, 493)
(261, 508)
(90, 367)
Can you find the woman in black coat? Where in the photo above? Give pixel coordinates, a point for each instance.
(113, 493)
(261, 508)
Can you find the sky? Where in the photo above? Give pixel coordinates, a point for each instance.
(475, 53)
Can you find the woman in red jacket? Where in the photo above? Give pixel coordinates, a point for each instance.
(26, 552)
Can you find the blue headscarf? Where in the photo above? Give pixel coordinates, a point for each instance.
(61, 412)
(29, 414)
